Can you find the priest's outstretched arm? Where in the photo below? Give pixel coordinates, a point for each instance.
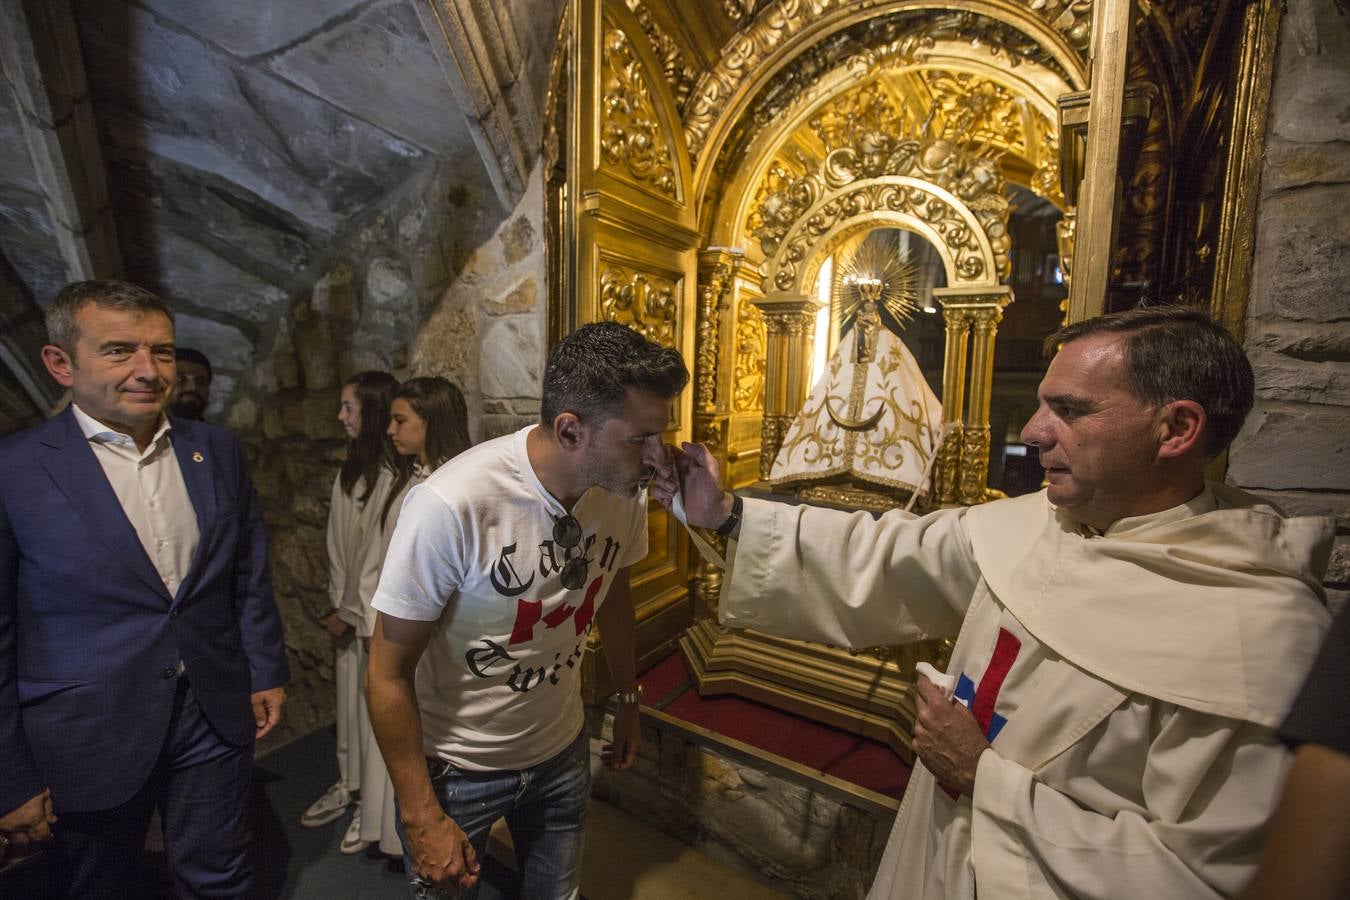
(826, 575)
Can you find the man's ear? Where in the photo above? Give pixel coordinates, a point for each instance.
(1181, 429)
(569, 431)
(59, 364)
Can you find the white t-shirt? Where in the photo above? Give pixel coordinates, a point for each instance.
(499, 684)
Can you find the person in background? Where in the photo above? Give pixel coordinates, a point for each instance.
(360, 496)
(1308, 854)
(429, 426)
(141, 650)
(192, 386)
(502, 562)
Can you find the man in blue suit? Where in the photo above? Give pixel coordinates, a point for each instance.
(141, 650)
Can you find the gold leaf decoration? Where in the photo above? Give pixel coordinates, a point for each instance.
(751, 349)
(775, 26)
(680, 75)
(642, 301)
(631, 140)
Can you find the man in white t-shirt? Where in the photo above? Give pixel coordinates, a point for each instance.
(500, 564)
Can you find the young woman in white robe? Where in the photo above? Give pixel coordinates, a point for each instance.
(359, 497)
(428, 426)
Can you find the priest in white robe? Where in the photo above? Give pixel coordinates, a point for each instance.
(1127, 640)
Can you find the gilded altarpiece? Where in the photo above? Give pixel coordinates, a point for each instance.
(717, 152)
(632, 260)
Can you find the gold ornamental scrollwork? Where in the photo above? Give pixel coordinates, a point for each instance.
(910, 198)
(772, 431)
(711, 433)
(977, 110)
(645, 302)
(780, 22)
(680, 75)
(795, 209)
(631, 141)
(748, 384)
(1046, 180)
(974, 464)
(792, 325)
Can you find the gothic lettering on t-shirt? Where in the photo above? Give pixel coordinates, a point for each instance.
(484, 659)
(489, 658)
(505, 580)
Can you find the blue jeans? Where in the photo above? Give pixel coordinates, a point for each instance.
(545, 809)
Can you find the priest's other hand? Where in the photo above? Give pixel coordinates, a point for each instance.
(706, 504)
(947, 739)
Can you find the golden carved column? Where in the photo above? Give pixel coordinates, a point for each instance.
(790, 326)
(714, 365)
(979, 312)
(946, 476)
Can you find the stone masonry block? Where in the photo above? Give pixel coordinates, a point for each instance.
(1288, 446)
(1303, 256)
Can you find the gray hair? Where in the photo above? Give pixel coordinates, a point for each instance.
(61, 328)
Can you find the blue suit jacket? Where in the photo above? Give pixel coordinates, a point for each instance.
(89, 635)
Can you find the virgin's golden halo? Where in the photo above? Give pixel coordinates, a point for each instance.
(878, 271)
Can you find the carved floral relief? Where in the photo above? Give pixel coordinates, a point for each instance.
(645, 302)
(751, 347)
(631, 141)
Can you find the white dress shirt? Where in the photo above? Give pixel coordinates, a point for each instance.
(149, 485)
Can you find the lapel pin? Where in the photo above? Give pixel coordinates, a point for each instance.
(197, 456)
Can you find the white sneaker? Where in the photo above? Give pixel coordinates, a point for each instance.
(330, 806)
(351, 841)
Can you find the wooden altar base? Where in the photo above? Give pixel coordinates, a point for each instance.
(801, 806)
(854, 692)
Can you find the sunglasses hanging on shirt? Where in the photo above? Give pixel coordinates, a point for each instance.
(568, 535)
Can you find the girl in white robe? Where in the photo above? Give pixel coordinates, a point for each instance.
(428, 425)
(360, 494)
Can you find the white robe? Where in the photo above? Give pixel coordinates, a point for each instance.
(352, 579)
(353, 527)
(1137, 756)
(378, 815)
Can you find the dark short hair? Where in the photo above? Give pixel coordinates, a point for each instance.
(1178, 353)
(61, 328)
(193, 355)
(591, 370)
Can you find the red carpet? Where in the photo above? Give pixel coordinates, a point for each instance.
(866, 763)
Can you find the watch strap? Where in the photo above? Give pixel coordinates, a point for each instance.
(729, 525)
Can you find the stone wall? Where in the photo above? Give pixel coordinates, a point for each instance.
(435, 283)
(1295, 448)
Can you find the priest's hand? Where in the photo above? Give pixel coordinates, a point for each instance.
(706, 504)
(947, 739)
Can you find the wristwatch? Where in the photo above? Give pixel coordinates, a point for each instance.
(630, 697)
(729, 525)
